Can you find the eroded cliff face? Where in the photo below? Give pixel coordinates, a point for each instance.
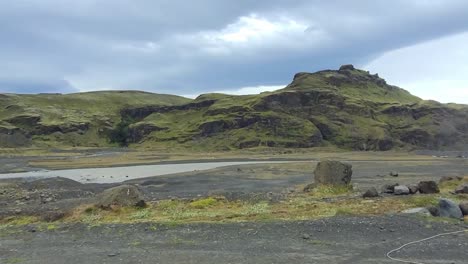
(347, 108)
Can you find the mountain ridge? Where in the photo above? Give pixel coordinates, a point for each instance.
(346, 108)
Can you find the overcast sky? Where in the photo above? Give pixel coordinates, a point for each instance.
(235, 46)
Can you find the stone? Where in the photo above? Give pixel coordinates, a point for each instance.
(310, 187)
(394, 174)
(347, 67)
(331, 172)
(389, 188)
(419, 210)
(434, 210)
(123, 195)
(401, 190)
(427, 187)
(413, 188)
(462, 189)
(464, 208)
(305, 236)
(52, 216)
(370, 193)
(448, 208)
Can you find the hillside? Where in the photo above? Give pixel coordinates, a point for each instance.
(347, 108)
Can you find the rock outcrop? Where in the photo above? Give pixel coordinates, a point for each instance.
(331, 172)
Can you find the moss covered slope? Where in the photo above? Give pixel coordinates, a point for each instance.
(345, 108)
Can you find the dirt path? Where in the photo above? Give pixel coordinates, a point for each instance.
(335, 240)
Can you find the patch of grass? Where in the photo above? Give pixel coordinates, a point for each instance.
(331, 190)
(422, 200)
(14, 260)
(204, 203)
(141, 214)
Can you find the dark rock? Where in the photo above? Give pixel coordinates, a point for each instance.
(124, 195)
(434, 210)
(413, 188)
(310, 187)
(448, 208)
(370, 193)
(347, 67)
(52, 216)
(401, 190)
(394, 173)
(462, 189)
(428, 187)
(464, 208)
(389, 188)
(333, 173)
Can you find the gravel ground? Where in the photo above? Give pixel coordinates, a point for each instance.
(333, 240)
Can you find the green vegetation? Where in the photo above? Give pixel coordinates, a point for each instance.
(347, 109)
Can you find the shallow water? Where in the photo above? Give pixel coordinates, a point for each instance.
(120, 174)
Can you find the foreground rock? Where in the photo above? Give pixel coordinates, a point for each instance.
(333, 173)
(413, 188)
(401, 190)
(464, 208)
(448, 208)
(462, 189)
(124, 195)
(389, 188)
(371, 193)
(428, 187)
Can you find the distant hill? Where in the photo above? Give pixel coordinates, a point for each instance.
(346, 108)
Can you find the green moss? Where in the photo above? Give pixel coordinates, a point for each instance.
(203, 203)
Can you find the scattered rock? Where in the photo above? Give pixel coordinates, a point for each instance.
(310, 187)
(434, 210)
(413, 188)
(448, 208)
(124, 195)
(401, 190)
(52, 216)
(371, 192)
(462, 189)
(389, 188)
(428, 187)
(333, 173)
(394, 174)
(419, 210)
(464, 208)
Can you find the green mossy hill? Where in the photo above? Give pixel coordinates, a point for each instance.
(346, 108)
(63, 120)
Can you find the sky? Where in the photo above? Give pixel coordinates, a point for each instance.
(238, 47)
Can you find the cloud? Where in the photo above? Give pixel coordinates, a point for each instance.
(432, 70)
(192, 47)
(245, 90)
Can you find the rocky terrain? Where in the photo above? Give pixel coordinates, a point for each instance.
(346, 108)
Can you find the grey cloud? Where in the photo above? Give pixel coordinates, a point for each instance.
(159, 45)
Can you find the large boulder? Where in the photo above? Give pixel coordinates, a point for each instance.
(401, 190)
(462, 189)
(448, 208)
(331, 172)
(428, 187)
(123, 195)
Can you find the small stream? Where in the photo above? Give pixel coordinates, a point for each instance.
(120, 174)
